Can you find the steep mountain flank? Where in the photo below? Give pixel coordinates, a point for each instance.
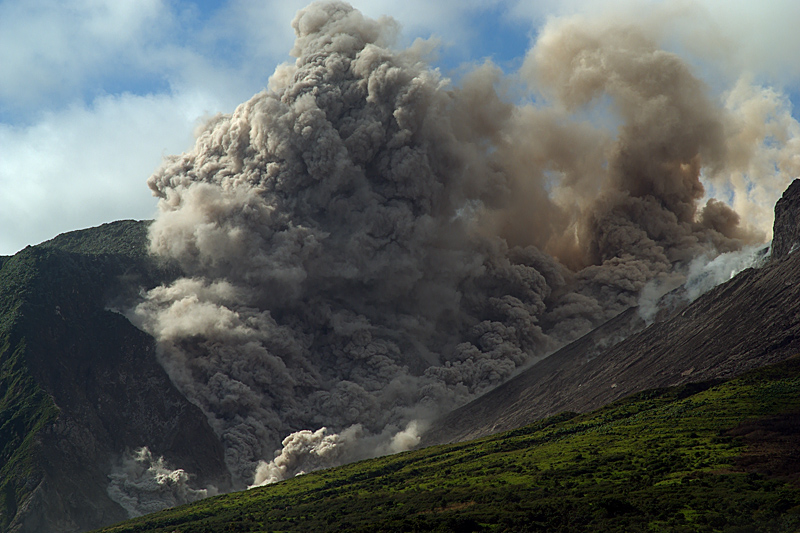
(86, 381)
(750, 321)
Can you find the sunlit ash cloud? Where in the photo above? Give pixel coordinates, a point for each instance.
(366, 245)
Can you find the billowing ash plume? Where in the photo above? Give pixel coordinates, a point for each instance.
(366, 245)
(143, 484)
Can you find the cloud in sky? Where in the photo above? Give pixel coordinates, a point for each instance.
(83, 165)
(93, 93)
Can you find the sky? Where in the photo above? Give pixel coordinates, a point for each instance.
(94, 93)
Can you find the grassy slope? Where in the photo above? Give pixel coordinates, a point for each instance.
(679, 459)
(25, 283)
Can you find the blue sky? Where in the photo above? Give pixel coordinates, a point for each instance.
(93, 93)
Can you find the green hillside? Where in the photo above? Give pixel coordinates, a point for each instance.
(24, 407)
(84, 266)
(702, 457)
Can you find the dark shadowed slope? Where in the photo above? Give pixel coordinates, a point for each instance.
(750, 321)
(80, 385)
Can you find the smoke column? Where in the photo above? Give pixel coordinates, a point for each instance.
(366, 245)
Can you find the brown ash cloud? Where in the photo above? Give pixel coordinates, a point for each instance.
(366, 245)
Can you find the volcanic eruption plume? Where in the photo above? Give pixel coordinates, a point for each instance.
(366, 245)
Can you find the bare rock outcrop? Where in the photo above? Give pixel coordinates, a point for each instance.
(786, 229)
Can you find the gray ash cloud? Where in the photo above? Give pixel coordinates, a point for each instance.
(367, 245)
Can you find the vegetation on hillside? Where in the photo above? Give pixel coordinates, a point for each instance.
(81, 266)
(24, 407)
(124, 238)
(702, 457)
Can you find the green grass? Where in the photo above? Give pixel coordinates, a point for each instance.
(662, 460)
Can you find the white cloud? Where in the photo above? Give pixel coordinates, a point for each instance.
(52, 49)
(763, 36)
(84, 166)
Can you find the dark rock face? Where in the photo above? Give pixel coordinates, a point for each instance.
(102, 374)
(750, 321)
(786, 229)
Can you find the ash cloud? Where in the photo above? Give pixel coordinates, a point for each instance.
(143, 483)
(366, 245)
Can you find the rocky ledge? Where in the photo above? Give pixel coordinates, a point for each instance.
(786, 229)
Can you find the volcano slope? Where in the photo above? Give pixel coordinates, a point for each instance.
(80, 385)
(713, 452)
(750, 321)
(713, 456)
